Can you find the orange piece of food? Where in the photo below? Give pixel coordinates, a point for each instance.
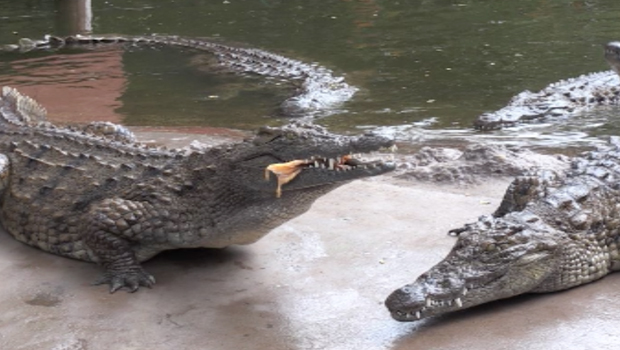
(285, 172)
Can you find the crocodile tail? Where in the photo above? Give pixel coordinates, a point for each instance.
(18, 109)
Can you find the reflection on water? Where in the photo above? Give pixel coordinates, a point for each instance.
(413, 60)
(81, 87)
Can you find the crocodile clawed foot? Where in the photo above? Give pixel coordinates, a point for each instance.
(132, 280)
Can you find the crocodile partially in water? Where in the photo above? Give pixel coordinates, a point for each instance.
(317, 91)
(561, 99)
(552, 231)
(96, 194)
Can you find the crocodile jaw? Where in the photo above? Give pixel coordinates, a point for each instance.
(287, 172)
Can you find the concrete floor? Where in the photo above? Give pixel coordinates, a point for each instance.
(317, 282)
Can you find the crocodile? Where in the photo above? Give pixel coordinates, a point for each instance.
(561, 99)
(95, 194)
(474, 164)
(317, 91)
(552, 231)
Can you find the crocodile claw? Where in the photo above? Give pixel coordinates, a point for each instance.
(132, 280)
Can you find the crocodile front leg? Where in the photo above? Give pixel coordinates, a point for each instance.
(114, 229)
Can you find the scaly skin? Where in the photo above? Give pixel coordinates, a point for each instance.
(94, 194)
(561, 99)
(551, 232)
(317, 91)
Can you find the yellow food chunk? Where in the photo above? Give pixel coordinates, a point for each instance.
(285, 172)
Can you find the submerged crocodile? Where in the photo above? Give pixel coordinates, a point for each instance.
(552, 231)
(561, 99)
(317, 90)
(97, 195)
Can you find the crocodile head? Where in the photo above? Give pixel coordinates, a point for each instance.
(612, 55)
(306, 157)
(492, 259)
(277, 175)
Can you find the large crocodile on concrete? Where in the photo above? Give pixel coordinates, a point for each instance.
(552, 231)
(561, 99)
(94, 194)
(317, 90)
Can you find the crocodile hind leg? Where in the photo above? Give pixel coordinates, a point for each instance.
(526, 189)
(111, 234)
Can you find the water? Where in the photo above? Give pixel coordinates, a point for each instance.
(426, 69)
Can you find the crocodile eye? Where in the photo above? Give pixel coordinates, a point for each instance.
(292, 136)
(267, 136)
(489, 247)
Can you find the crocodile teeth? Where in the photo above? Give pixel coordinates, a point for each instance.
(332, 162)
(458, 302)
(429, 302)
(418, 315)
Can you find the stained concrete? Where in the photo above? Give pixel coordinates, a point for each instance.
(317, 282)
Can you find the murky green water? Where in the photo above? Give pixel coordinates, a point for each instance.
(412, 60)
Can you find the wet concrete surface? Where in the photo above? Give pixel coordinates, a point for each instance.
(317, 282)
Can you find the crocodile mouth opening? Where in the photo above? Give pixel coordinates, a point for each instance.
(286, 172)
